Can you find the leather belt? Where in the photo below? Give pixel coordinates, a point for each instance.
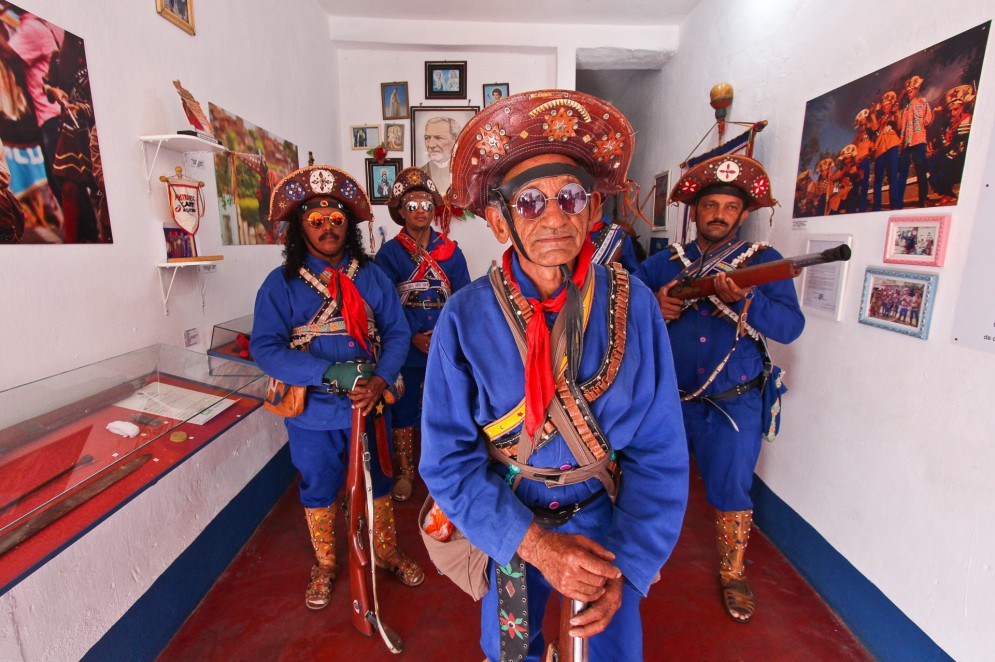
(425, 304)
(550, 518)
(734, 392)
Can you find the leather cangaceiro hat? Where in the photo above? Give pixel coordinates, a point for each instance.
(585, 128)
(411, 179)
(296, 189)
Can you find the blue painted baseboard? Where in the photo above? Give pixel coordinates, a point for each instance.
(148, 626)
(881, 626)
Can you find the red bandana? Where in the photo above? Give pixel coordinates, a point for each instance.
(539, 383)
(353, 310)
(442, 252)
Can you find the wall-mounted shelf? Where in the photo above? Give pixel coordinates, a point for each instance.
(174, 268)
(176, 142)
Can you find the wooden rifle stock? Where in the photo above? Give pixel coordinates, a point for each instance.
(760, 274)
(362, 569)
(360, 559)
(567, 648)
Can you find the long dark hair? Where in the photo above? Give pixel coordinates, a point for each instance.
(295, 247)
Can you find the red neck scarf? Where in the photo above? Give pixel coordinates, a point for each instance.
(443, 251)
(539, 383)
(353, 308)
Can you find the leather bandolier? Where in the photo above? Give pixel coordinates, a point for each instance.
(569, 415)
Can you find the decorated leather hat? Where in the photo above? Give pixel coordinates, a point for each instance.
(959, 94)
(408, 180)
(734, 170)
(300, 186)
(583, 127)
(850, 151)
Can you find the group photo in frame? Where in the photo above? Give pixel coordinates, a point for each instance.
(899, 301)
(394, 100)
(433, 136)
(920, 240)
(393, 137)
(177, 12)
(364, 136)
(445, 80)
(494, 92)
(380, 176)
(896, 138)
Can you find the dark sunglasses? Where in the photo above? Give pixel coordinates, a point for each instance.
(316, 219)
(531, 203)
(413, 205)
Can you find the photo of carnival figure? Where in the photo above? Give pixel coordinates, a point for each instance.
(426, 268)
(329, 320)
(729, 387)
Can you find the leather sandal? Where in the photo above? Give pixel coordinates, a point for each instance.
(319, 589)
(738, 599)
(407, 571)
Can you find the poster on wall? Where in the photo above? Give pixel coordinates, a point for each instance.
(896, 138)
(51, 179)
(254, 161)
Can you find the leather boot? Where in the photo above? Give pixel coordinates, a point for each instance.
(387, 555)
(733, 533)
(404, 440)
(321, 522)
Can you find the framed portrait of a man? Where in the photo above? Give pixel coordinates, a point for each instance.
(365, 136)
(445, 80)
(394, 99)
(433, 135)
(494, 92)
(380, 178)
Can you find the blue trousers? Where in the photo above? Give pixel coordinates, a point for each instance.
(622, 640)
(322, 457)
(406, 412)
(887, 161)
(913, 155)
(865, 183)
(726, 458)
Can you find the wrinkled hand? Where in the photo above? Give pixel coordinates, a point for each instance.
(421, 341)
(671, 307)
(728, 291)
(599, 613)
(574, 565)
(367, 392)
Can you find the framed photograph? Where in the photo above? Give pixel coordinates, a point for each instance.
(660, 208)
(494, 92)
(822, 284)
(394, 99)
(899, 301)
(445, 80)
(394, 137)
(380, 177)
(177, 12)
(917, 240)
(364, 136)
(433, 135)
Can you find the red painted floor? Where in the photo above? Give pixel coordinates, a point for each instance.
(256, 609)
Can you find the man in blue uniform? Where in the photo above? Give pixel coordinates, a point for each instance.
(613, 244)
(720, 353)
(548, 376)
(328, 306)
(426, 268)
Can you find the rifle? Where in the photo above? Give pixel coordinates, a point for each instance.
(567, 648)
(362, 570)
(760, 274)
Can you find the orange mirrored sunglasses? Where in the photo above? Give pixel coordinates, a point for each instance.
(316, 219)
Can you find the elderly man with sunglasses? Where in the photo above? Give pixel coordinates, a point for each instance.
(327, 309)
(552, 434)
(426, 268)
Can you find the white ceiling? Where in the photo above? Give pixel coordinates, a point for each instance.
(584, 12)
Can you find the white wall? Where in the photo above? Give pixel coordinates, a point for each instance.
(67, 306)
(886, 443)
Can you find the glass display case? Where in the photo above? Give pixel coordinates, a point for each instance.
(230, 342)
(76, 446)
